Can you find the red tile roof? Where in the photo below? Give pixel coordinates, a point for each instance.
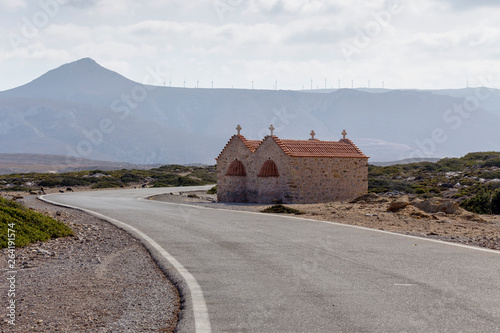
(252, 145)
(316, 148)
(344, 148)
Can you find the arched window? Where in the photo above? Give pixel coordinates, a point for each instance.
(269, 169)
(236, 168)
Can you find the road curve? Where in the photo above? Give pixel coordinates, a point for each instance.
(251, 272)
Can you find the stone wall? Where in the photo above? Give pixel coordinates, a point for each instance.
(268, 189)
(327, 179)
(232, 188)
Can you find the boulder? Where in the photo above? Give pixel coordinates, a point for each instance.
(368, 198)
(437, 205)
(398, 204)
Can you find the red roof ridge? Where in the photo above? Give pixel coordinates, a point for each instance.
(354, 145)
(252, 145)
(343, 148)
(317, 148)
(280, 143)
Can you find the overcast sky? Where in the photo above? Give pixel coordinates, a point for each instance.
(404, 43)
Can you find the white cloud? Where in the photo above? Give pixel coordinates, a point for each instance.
(428, 44)
(12, 4)
(467, 4)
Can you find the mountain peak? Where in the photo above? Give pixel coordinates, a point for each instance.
(85, 67)
(80, 76)
(86, 61)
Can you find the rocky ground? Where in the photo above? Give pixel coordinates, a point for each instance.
(431, 218)
(100, 280)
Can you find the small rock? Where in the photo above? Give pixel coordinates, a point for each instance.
(42, 251)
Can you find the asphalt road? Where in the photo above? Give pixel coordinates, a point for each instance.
(246, 272)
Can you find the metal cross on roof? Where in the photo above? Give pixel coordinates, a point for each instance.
(344, 133)
(272, 129)
(238, 128)
(312, 134)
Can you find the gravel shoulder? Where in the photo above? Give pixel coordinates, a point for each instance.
(100, 280)
(461, 227)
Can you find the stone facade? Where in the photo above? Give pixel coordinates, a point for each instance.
(309, 171)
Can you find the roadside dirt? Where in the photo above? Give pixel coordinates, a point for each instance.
(100, 280)
(372, 212)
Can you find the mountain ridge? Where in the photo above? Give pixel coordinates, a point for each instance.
(84, 110)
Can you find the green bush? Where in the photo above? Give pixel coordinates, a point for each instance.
(451, 164)
(169, 180)
(213, 190)
(64, 181)
(173, 168)
(479, 203)
(130, 178)
(385, 185)
(205, 175)
(106, 184)
(490, 175)
(280, 209)
(29, 226)
(481, 156)
(495, 202)
(16, 189)
(420, 190)
(494, 162)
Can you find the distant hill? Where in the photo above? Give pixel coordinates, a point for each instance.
(27, 163)
(406, 161)
(83, 110)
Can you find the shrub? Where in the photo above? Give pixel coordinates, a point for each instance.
(173, 168)
(188, 181)
(64, 181)
(375, 171)
(482, 156)
(420, 190)
(205, 175)
(16, 189)
(451, 164)
(280, 209)
(213, 190)
(105, 184)
(495, 202)
(490, 175)
(29, 226)
(428, 166)
(130, 178)
(386, 185)
(494, 162)
(479, 203)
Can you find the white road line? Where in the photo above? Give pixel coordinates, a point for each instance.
(200, 309)
(404, 285)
